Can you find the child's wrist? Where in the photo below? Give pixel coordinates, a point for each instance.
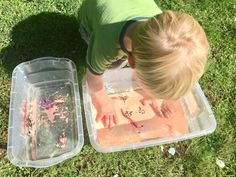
(99, 94)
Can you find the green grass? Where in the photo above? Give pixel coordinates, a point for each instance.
(33, 28)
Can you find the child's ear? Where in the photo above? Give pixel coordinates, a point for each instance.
(131, 61)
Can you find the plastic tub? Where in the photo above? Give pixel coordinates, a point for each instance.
(45, 122)
(197, 115)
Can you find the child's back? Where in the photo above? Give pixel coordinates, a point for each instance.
(167, 50)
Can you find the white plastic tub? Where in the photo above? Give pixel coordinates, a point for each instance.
(201, 120)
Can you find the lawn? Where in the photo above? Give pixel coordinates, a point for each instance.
(34, 28)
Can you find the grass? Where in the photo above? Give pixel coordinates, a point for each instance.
(33, 28)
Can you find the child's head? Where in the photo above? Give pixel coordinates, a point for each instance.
(170, 52)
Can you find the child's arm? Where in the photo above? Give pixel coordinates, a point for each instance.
(104, 105)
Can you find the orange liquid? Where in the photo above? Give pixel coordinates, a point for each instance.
(144, 124)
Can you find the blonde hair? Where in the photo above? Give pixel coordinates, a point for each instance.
(170, 51)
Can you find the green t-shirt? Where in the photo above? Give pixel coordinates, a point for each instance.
(106, 22)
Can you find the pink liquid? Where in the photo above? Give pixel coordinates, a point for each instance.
(142, 125)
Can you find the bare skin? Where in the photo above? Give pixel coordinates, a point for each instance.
(104, 105)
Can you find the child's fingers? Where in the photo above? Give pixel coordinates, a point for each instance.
(142, 102)
(161, 113)
(158, 112)
(168, 109)
(115, 119)
(99, 117)
(103, 120)
(107, 121)
(110, 121)
(165, 112)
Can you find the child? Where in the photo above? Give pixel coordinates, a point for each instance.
(168, 50)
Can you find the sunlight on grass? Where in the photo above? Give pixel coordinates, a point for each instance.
(32, 28)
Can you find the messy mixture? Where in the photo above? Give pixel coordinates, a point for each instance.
(138, 122)
(48, 123)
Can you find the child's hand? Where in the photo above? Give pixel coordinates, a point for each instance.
(105, 107)
(159, 106)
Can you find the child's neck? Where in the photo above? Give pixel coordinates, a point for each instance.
(127, 41)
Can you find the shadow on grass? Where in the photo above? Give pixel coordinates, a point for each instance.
(45, 34)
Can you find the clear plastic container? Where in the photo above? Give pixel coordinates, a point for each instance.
(45, 122)
(197, 115)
